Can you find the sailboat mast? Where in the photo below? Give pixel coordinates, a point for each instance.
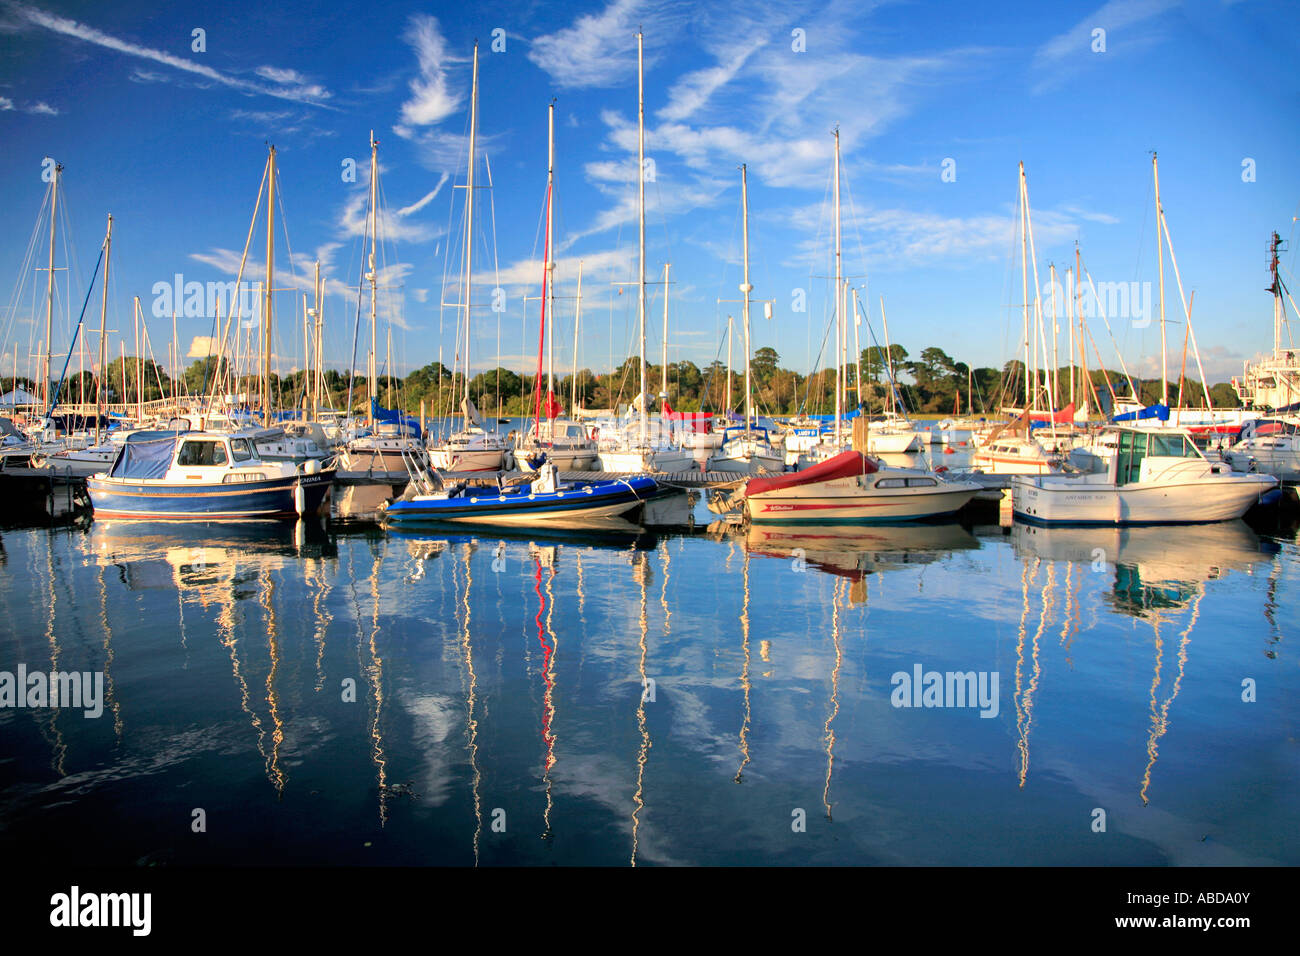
(663, 378)
(577, 318)
(1069, 322)
(1024, 272)
(49, 287)
(373, 278)
(1275, 287)
(838, 289)
(317, 350)
(1160, 247)
(103, 322)
(857, 355)
(469, 219)
(1055, 361)
(139, 368)
(640, 205)
(745, 287)
(549, 291)
(270, 272)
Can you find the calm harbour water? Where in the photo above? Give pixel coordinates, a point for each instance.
(354, 696)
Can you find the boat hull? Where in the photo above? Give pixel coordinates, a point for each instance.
(579, 501)
(156, 500)
(810, 505)
(1193, 502)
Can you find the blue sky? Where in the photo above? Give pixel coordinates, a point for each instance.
(172, 141)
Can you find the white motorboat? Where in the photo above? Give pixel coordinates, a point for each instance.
(1152, 478)
(851, 487)
(1016, 456)
(747, 451)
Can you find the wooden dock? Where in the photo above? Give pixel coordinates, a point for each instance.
(677, 479)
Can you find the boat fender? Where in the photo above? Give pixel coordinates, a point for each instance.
(299, 499)
(311, 467)
(950, 451)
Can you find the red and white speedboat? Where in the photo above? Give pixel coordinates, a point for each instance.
(852, 487)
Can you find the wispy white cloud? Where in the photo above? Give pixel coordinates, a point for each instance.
(424, 200)
(42, 108)
(599, 49)
(6, 104)
(1067, 53)
(304, 93)
(432, 98)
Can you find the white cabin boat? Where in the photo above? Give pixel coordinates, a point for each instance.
(852, 487)
(1152, 478)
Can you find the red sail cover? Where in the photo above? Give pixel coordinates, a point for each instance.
(698, 421)
(846, 464)
(1065, 415)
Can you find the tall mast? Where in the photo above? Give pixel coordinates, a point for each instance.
(745, 287)
(373, 278)
(838, 287)
(640, 206)
(663, 389)
(1275, 287)
(49, 288)
(1078, 315)
(103, 320)
(1024, 271)
(857, 355)
(139, 367)
(318, 348)
(469, 220)
(549, 278)
(1160, 246)
(1069, 322)
(1055, 361)
(270, 272)
(577, 317)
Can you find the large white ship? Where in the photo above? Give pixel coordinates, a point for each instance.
(1272, 382)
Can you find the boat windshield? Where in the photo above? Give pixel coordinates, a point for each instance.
(240, 450)
(202, 453)
(1135, 446)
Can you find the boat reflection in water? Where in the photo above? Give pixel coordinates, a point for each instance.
(1160, 577)
(854, 551)
(1155, 566)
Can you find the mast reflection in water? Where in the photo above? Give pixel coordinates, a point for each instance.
(355, 696)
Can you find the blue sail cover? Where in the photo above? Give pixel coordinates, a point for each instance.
(1157, 410)
(145, 459)
(831, 418)
(391, 416)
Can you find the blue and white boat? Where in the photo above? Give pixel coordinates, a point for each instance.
(529, 499)
(206, 476)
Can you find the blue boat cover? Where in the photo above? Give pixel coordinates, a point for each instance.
(391, 416)
(1157, 410)
(145, 459)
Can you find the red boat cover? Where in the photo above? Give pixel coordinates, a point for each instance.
(697, 422)
(1065, 415)
(846, 464)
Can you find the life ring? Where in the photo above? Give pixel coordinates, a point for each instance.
(941, 469)
(594, 433)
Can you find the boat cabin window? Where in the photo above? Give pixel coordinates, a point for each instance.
(202, 453)
(1171, 446)
(891, 483)
(239, 449)
(1130, 451)
(921, 483)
